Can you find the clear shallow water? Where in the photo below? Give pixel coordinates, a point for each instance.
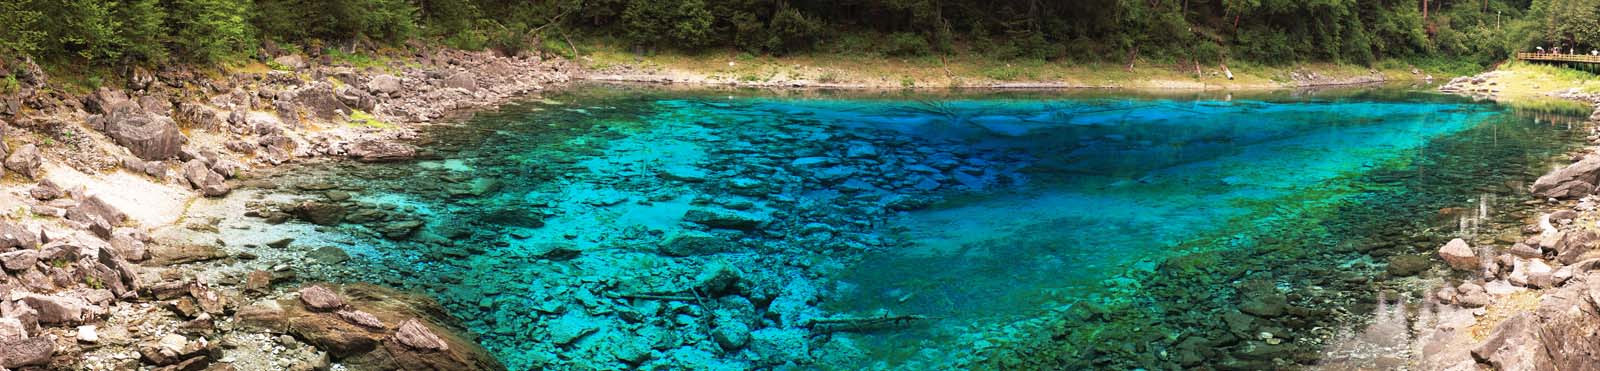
(1025, 230)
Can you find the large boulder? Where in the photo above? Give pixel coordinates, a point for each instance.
(318, 99)
(1559, 335)
(1459, 255)
(462, 80)
(24, 160)
(378, 150)
(1571, 246)
(208, 182)
(150, 137)
(383, 84)
(1572, 181)
(56, 309)
(356, 98)
(34, 351)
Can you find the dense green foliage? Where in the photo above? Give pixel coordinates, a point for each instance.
(1175, 31)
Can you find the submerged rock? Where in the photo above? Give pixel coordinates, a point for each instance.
(1407, 265)
(377, 150)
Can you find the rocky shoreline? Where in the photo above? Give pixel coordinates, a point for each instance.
(1526, 302)
(1300, 78)
(98, 272)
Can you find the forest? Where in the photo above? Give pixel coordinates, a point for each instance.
(1112, 31)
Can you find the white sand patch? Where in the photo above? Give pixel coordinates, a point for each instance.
(149, 203)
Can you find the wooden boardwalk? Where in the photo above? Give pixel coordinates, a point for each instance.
(1565, 58)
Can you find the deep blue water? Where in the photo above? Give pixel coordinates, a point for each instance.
(996, 229)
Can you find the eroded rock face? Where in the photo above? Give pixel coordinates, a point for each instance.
(1575, 180)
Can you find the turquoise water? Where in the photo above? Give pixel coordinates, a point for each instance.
(617, 228)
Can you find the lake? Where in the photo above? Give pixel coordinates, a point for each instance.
(620, 227)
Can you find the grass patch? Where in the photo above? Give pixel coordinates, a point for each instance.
(362, 118)
(357, 60)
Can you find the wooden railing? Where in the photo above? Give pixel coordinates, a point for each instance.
(1549, 57)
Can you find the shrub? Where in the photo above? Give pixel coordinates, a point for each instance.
(906, 44)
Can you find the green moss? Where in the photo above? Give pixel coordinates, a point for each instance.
(362, 118)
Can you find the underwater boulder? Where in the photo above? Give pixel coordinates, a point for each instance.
(693, 243)
(1407, 265)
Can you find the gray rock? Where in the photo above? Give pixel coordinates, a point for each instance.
(362, 319)
(682, 173)
(149, 137)
(726, 219)
(20, 260)
(16, 237)
(376, 150)
(321, 299)
(329, 255)
(693, 243)
(56, 309)
(24, 160)
(45, 191)
(356, 98)
(462, 80)
(29, 352)
(1572, 245)
(291, 61)
(774, 346)
(1575, 180)
(208, 182)
(1524, 251)
(383, 84)
(570, 327)
(11, 330)
(1472, 295)
(630, 350)
(1460, 256)
(731, 335)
